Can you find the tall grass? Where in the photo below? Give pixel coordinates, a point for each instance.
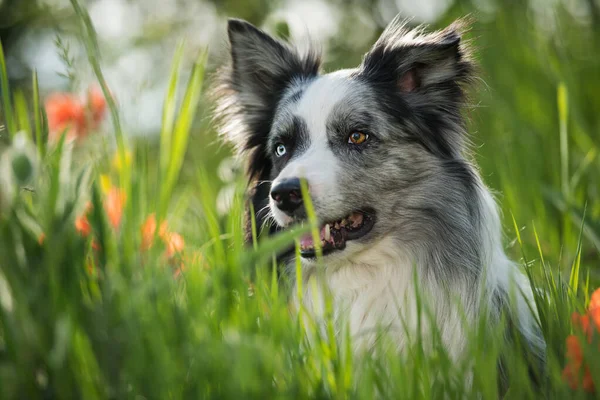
(104, 316)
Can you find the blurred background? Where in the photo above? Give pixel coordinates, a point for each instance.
(534, 118)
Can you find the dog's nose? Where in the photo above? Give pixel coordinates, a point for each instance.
(287, 195)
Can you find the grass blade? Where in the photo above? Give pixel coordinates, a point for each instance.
(274, 244)
(181, 133)
(169, 109)
(253, 228)
(37, 117)
(574, 276)
(563, 113)
(6, 100)
(22, 112)
(312, 218)
(90, 42)
(591, 226)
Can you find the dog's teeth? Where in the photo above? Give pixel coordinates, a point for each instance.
(327, 232)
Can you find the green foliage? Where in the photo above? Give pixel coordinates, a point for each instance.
(6, 96)
(106, 315)
(535, 125)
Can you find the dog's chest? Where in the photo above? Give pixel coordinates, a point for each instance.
(364, 297)
(370, 299)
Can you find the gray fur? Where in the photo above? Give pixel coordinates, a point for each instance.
(432, 209)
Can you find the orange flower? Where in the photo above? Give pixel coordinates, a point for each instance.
(74, 116)
(175, 243)
(113, 205)
(41, 238)
(148, 229)
(65, 114)
(173, 240)
(97, 105)
(82, 225)
(582, 322)
(572, 371)
(594, 308)
(575, 362)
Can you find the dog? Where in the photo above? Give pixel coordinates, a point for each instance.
(383, 149)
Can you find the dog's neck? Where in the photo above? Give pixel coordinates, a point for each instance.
(377, 290)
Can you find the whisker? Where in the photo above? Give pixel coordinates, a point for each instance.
(258, 183)
(265, 208)
(269, 221)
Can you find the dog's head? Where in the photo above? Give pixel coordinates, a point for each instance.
(378, 145)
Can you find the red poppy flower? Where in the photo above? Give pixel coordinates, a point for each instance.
(65, 114)
(73, 116)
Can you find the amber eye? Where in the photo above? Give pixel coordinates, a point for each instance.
(357, 138)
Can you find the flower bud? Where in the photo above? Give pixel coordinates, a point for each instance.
(23, 159)
(18, 167)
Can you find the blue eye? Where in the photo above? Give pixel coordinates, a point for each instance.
(280, 150)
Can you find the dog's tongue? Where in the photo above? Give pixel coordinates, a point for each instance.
(307, 241)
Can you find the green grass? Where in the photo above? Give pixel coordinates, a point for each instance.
(97, 317)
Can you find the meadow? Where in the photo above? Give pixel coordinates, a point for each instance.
(124, 275)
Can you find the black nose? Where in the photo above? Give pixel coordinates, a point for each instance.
(287, 195)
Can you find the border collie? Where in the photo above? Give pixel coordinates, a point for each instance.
(383, 148)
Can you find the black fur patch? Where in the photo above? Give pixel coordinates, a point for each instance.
(296, 139)
(431, 112)
(248, 92)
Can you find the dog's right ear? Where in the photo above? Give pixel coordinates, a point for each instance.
(261, 70)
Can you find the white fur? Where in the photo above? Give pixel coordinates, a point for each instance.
(317, 164)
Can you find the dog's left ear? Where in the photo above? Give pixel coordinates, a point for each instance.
(437, 64)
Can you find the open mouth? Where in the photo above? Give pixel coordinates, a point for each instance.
(334, 235)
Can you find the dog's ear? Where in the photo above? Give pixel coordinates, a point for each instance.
(247, 93)
(249, 89)
(423, 78)
(437, 64)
